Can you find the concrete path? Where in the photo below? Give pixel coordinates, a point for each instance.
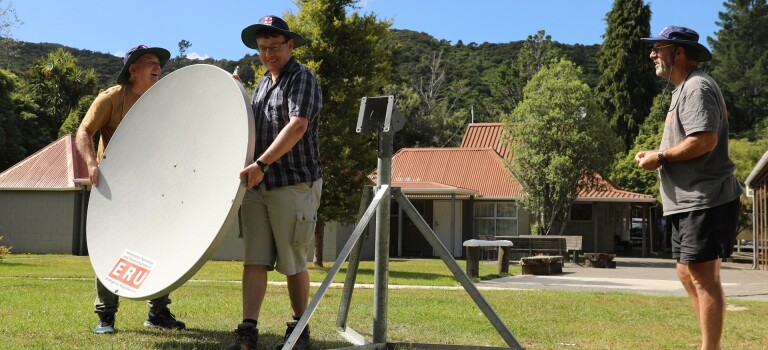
(639, 275)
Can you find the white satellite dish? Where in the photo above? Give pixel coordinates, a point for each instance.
(168, 184)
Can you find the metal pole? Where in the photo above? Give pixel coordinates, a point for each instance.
(381, 272)
(352, 265)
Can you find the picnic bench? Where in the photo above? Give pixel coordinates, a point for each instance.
(573, 245)
(602, 260)
(541, 265)
(533, 245)
(473, 255)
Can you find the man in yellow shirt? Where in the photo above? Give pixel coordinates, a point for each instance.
(141, 69)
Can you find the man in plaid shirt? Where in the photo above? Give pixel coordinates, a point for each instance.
(279, 210)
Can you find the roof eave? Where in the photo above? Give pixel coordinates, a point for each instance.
(761, 164)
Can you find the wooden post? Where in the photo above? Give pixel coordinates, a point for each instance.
(504, 258)
(473, 261)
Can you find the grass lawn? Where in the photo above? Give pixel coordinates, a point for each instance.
(46, 303)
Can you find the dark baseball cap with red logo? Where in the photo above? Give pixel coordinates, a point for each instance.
(274, 23)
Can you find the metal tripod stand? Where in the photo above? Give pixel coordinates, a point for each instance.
(379, 115)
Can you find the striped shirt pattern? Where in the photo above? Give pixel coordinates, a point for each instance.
(295, 93)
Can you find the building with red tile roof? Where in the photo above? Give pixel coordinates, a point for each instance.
(476, 182)
(43, 201)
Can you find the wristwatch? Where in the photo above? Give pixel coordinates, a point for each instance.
(662, 160)
(262, 166)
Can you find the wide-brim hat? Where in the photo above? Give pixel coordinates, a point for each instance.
(683, 36)
(162, 54)
(274, 23)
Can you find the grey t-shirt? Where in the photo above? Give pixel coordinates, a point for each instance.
(708, 180)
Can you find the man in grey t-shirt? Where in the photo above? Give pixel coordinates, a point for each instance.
(699, 190)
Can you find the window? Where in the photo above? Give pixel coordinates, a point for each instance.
(581, 212)
(495, 219)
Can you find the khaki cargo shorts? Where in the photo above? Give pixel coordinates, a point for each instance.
(278, 225)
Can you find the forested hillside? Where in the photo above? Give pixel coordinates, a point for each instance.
(454, 79)
(463, 61)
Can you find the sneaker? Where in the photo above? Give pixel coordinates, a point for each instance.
(163, 319)
(302, 342)
(106, 324)
(246, 337)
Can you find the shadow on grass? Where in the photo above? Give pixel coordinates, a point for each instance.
(400, 274)
(192, 338)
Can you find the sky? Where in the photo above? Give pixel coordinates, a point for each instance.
(213, 28)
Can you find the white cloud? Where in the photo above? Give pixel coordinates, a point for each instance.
(196, 56)
(119, 53)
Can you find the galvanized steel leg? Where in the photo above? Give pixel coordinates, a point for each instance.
(352, 265)
(383, 192)
(470, 287)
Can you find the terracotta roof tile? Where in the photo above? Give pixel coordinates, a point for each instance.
(54, 167)
(482, 135)
(477, 169)
(478, 165)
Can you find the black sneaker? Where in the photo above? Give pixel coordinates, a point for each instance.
(163, 319)
(246, 337)
(106, 324)
(302, 342)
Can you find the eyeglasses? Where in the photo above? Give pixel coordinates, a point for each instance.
(655, 49)
(273, 48)
(151, 63)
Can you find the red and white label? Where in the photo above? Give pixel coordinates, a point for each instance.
(131, 270)
(129, 273)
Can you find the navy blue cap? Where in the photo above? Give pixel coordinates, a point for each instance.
(270, 22)
(133, 54)
(683, 36)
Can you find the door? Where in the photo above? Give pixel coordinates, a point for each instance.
(441, 224)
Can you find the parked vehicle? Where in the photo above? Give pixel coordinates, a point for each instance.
(636, 233)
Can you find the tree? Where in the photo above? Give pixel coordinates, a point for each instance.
(56, 84)
(537, 52)
(740, 61)
(430, 107)
(183, 46)
(506, 85)
(745, 155)
(20, 133)
(627, 82)
(70, 125)
(558, 142)
(11, 149)
(507, 80)
(347, 54)
(8, 20)
(625, 172)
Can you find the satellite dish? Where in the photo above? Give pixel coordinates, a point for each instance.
(168, 183)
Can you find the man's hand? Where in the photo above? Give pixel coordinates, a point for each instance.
(93, 174)
(253, 173)
(647, 160)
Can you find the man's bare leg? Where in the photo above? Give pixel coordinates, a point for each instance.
(298, 291)
(702, 281)
(254, 290)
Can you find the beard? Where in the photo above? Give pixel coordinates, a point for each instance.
(663, 69)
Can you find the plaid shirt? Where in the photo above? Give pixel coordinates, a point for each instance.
(295, 93)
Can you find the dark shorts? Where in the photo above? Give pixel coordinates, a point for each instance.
(706, 234)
